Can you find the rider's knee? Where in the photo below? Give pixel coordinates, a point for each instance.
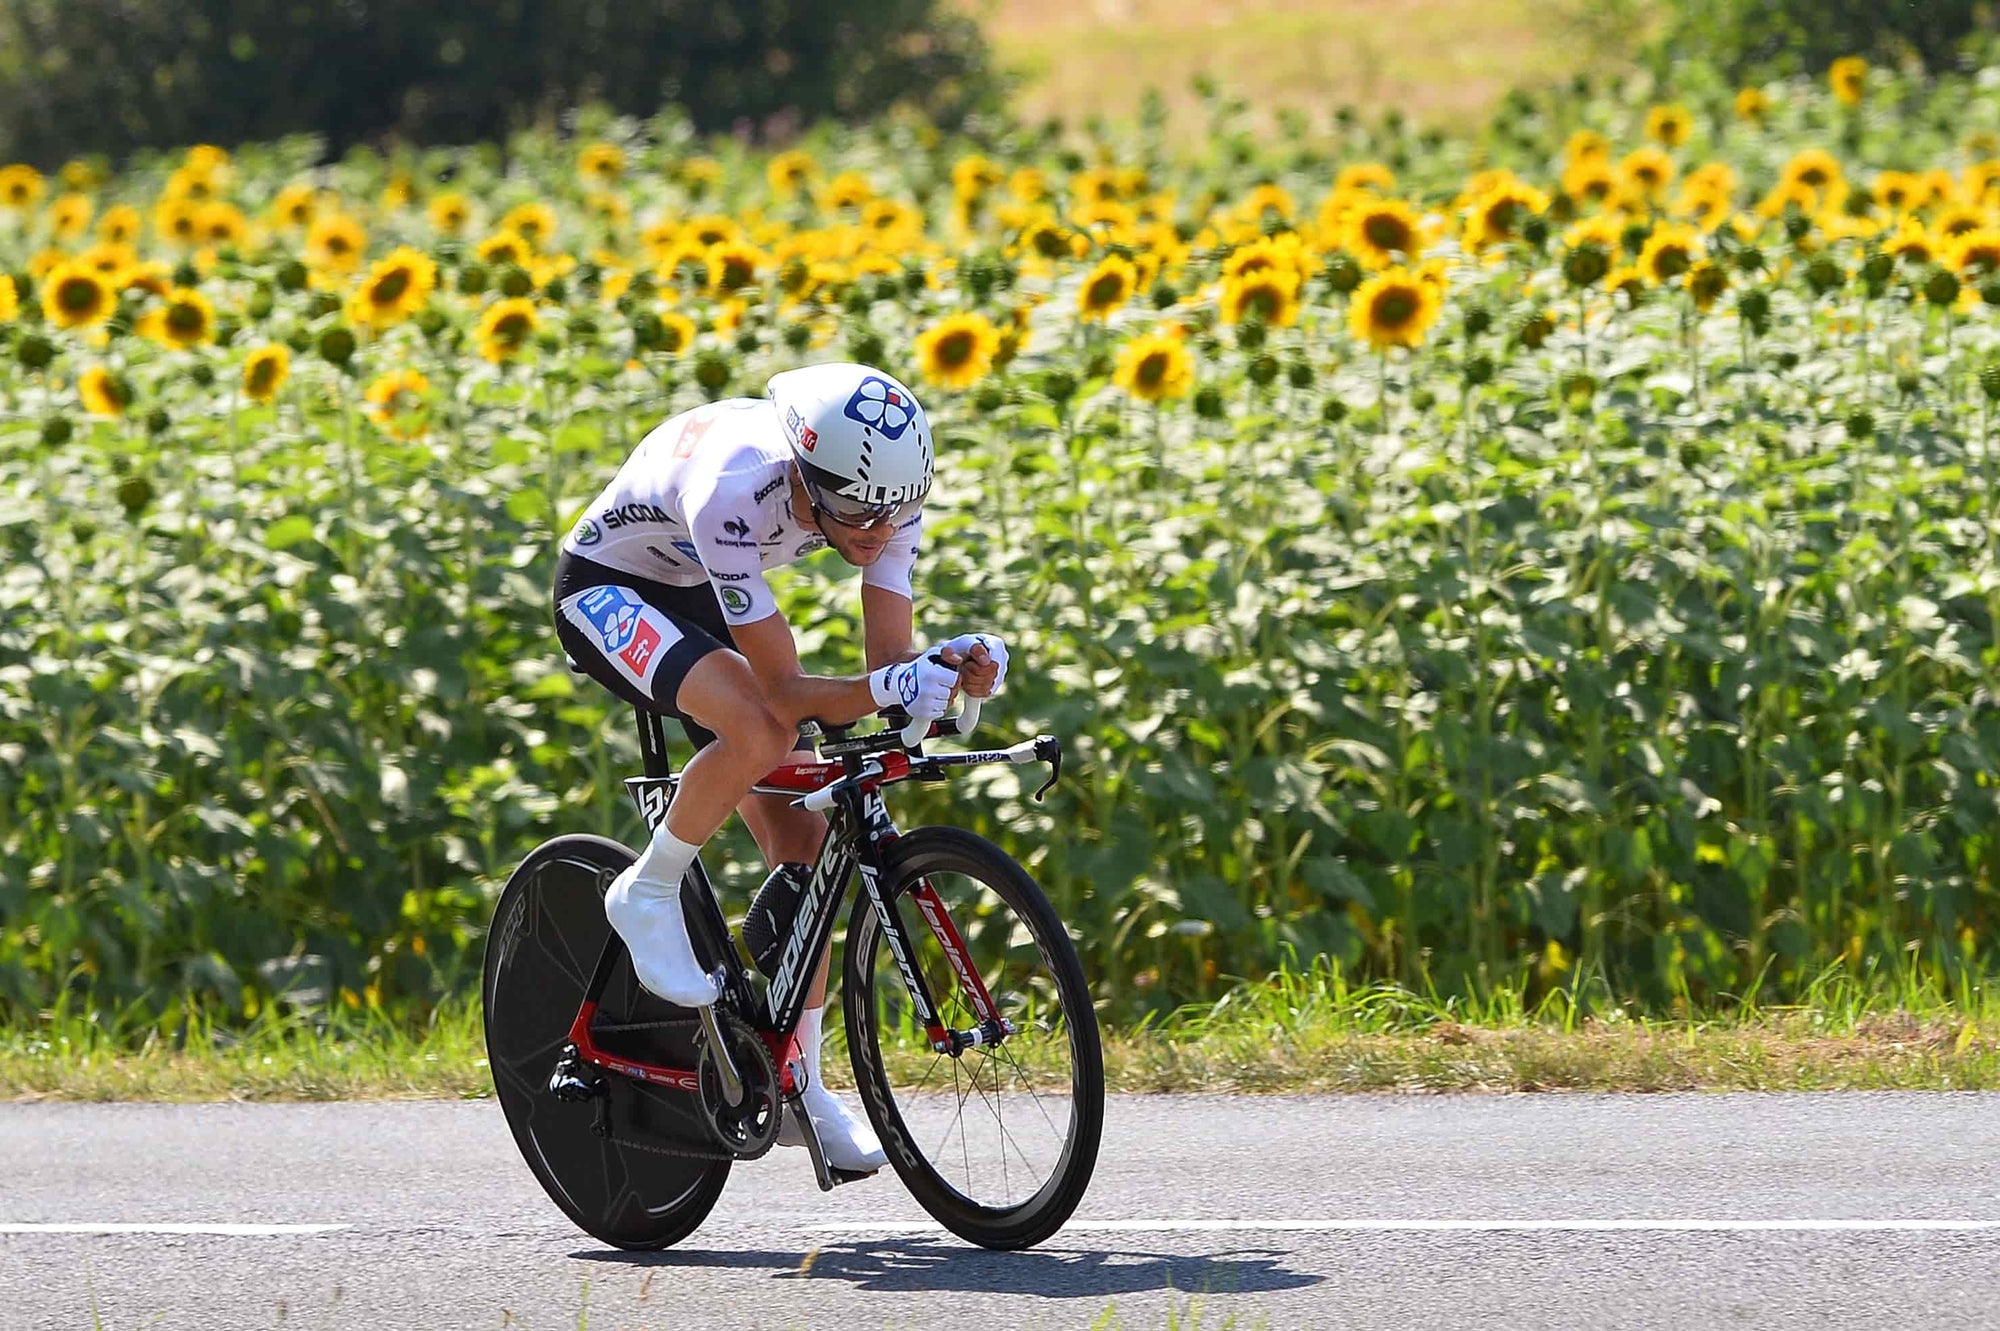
(756, 729)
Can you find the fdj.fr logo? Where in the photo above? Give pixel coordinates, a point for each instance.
(882, 405)
(804, 435)
(614, 613)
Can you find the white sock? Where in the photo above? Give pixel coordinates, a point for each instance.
(809, 1035)
(664, 862)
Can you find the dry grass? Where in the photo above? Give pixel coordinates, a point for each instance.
(1299, 1035)
(1440, 61)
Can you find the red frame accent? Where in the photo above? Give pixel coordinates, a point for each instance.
(681, 1079)
(933, 907)
(784, 1048)
(803, 778)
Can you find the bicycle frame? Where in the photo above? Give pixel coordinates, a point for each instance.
(860, 833)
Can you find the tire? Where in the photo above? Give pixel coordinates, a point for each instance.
(548, 932)
(1023, 953)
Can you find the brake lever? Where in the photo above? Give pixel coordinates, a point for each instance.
(1049, 749)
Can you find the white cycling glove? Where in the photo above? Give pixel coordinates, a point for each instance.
(995, 648)
(921, 687)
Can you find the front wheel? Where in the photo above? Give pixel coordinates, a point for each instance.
(998, 1141)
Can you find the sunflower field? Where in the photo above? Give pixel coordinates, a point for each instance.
(1563, 555)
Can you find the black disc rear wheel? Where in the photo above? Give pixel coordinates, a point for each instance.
(548, 933)
(999, 1141)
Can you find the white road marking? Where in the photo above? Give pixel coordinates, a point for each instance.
(225, 1231)
(1664, 1225)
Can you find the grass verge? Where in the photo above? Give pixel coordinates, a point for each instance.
(1293, 1033)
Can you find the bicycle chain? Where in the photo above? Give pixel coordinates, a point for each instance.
(678, 1152)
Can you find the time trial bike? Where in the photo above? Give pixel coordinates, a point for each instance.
(968, 1019)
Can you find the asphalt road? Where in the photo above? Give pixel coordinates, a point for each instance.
(1515, 1212)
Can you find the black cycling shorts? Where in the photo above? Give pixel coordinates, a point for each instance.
(637, 637)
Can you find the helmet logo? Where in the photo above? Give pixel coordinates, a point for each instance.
(880, 404)
(802, 434)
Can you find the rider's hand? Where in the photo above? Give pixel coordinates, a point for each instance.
(922, 687)
(982, 662)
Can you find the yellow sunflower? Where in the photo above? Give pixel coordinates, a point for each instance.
(74, 296)
(449, 212)
(399, 403)
(534, 222)
(10, 299)
(220, 223)
(265, 371)
(601, 164)
(732, 266)
(21, 187)
(1107, 287)
(109, 259)
(1848, 76)
(1264, 295)
(1588, 181)
(1628, 281)
(1976, 251)
(505, 249)
(957, 351)
(849, 189)
(1670, 125)
(974, 175)
(184, 319)
(147, 275)
(102, 392)
(178, 220)
(1706, 281)
(1372, 176)
(1669, 252)
(295, 205)
(69, 215)
(1958, 219)
(395, 288)
(1382, 232)
(1912, 243)
(120, 225)
(505, 328)
(1815, 168)
(1497, 214)
(1395, 308)
(334, 243)
(1753, 105)
(1648, 170)
(713, 229)
(1586, 145)
(1028, 184)
(1154, 367)
(788, 171)
(676, 333)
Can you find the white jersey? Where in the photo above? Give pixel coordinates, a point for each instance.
(705, 498)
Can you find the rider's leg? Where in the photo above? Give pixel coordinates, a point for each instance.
(644, 903)
(786, 834)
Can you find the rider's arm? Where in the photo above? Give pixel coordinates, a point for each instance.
(794, 695)
(888, 627)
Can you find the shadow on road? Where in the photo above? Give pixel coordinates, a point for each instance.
(910, 1265)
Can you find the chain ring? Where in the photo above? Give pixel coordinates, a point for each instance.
(749, 1130)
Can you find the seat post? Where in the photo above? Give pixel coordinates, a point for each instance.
(653, 742)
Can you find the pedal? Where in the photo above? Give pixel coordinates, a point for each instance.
(823, 1173)
(826, 1175)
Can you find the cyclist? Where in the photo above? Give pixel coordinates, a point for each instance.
(664, 574)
